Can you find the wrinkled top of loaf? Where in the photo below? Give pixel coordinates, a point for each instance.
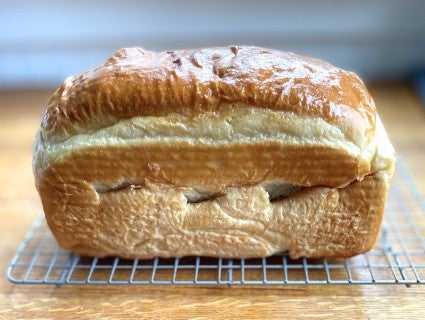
(136, 82)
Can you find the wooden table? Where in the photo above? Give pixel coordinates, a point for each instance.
(20, 115)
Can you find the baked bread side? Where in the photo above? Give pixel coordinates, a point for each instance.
(230, 152)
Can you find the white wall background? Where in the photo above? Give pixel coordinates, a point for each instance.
(42, 42)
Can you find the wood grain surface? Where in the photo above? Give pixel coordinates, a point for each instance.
(20, 115)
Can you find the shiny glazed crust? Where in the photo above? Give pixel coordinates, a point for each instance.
(230, 152)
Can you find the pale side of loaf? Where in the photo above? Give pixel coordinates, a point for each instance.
(228, 152)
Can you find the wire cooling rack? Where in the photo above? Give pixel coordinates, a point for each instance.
(398, 258)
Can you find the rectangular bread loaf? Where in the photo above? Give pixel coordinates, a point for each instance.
(226, 152)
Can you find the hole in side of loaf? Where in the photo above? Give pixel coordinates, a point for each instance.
(104, 188)
(196, 196)
(278, 191)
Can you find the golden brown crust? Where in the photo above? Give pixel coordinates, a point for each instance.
(213, 167)
(135, 82)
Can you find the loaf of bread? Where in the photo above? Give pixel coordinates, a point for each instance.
(226, 152)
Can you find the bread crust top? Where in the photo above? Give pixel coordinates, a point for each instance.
(136, 82)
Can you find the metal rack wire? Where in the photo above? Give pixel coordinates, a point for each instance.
(398, 258)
